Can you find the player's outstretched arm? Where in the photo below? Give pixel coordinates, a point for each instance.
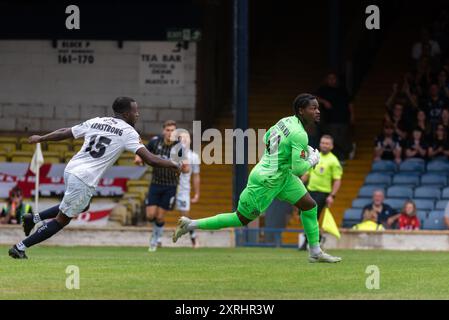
(58, 135)
(154, 161)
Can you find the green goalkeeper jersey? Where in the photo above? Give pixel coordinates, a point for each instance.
(286, 150)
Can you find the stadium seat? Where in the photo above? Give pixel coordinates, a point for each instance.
(21, 156)
(396, 204)
(427, 192)
(425, 204)
(435, 221)
(8, 146)
(126, 159)
(406, 178)
(367, 191)
(351, 217)
(3, 157)
(384, 166)
(434, 179)
(438, 166)
(378, 178)
(51, 157)
(414, 165)
(422, 215)
(445, 193)
(25, 145)
(60, 146)
(359, 203)
(77, 144)
(441, 205)
(399, 192)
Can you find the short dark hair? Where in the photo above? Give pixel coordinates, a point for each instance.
(169, 123)
(302, 101)
(122, 104)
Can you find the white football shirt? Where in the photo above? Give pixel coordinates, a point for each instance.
(105, 139)
(184, 178)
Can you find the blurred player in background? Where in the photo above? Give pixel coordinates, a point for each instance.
(287, 157)
(162, 192)
(14, 211)
(105, 139)
(324, 180)
(183, 195)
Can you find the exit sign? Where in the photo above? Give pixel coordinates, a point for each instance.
(183, 35)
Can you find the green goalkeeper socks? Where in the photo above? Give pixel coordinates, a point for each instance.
(310, 223)
(220, 221)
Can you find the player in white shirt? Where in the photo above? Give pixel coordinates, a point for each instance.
(183, 193)
(105, 139)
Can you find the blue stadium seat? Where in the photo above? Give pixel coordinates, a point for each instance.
(406, 178)
(399, 192)
(366, 191)
(438, 166)
(384, 166)
(351, 217)
(378, 178)
(425, 204)
(435, 221)
(359, 203)
(445, 193)
(422, 215)
(396, 204)
(434, 179)
(428, 192)
(441, 205)
(415, 165)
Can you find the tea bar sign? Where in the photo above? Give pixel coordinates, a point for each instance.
(161, 65)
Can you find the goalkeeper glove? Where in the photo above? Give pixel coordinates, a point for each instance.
(314, 156)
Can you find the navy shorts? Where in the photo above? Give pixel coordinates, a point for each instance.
(161, 196)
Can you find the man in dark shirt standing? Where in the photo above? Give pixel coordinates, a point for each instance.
(337, 113)
(164, 182)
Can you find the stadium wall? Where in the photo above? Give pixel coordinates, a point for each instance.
(390, 240)
(120, 237)
(47, 85)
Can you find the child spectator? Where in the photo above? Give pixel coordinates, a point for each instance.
(387, 145)
(422, 123)
(369, 222)
(439, 146)
(408, 219)
(416, 146)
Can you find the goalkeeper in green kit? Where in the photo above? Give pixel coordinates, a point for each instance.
(286, 158)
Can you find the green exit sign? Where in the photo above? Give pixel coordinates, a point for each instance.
(183, 34)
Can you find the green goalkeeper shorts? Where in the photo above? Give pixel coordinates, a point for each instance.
(261, 191)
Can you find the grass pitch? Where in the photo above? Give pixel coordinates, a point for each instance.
(243, 273)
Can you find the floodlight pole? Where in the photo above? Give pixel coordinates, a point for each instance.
(240, 90)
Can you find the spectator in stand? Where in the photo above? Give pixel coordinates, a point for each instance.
(423, 76)
(445, 119)
(387, 216)
(434, 105)
(15, 209)
(369, 222)
(416, 146)
(337, 115)
(439, 146)
(396, 116)
(419, 47)
(443, 84)
(422, 123)
(446, 215)
(387, 145)
(408, 219)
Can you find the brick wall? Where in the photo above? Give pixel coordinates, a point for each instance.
(37, 93)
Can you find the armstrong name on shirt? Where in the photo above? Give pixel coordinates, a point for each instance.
(107, 128)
